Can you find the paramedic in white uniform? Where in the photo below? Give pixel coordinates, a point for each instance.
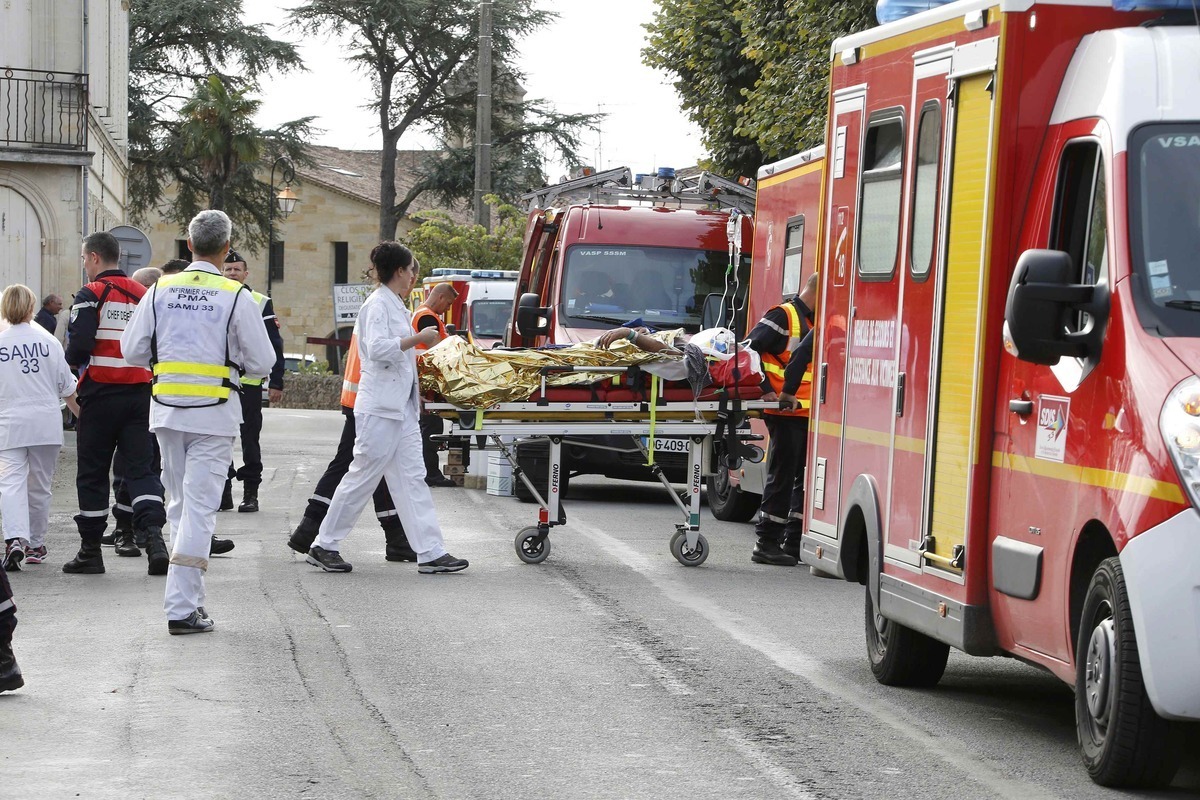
(387, 443)
(33, 376)
(194, 325)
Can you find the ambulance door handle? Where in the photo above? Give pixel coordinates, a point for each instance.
(900, 394)
(1022, 407)
(824, 374)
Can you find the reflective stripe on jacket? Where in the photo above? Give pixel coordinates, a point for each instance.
(118, 297)
(775, 365)
(352, 374)
(190, 355)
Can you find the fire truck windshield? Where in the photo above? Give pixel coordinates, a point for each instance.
(606, 285)
(1164, 226)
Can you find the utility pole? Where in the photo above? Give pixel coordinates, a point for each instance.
(483, 118)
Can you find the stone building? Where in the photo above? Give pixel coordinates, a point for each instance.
(64, 78)
(327, 239)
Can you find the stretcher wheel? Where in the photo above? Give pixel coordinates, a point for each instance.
(529, 549)
(689, 558)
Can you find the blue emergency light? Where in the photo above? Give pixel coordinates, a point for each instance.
(1152, 5)
(892, 10)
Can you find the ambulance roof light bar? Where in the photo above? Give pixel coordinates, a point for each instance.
(1153, 5)
(496, 274)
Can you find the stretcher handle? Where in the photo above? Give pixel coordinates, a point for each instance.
(548, 370)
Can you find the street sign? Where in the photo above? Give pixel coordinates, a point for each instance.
(135, 248)
(347, 300)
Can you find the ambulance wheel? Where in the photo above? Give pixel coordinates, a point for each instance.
(901, 656)
(727, 502)
(689, 558)
(1122, 740)
(529, 549)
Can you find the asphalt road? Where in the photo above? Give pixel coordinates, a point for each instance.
(609, 671)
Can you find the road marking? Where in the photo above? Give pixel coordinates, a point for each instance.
(810, 669)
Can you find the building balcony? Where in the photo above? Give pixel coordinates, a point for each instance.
(42, 113)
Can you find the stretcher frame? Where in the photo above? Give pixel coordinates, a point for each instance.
(559, 423)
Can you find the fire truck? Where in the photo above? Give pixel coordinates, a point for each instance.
(609, 248)
(1005, 433)
(787, 228)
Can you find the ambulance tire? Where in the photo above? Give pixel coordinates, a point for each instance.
(1122, 740)
(727, 502)
(901, 656)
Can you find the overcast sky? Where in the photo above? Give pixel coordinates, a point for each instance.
(587, 61)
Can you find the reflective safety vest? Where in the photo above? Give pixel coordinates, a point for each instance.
(419, 315)
(190, 344)
(118, 297)
(352, 374)
(775, 365)
(261, 301)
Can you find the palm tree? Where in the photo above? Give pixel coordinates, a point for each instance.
(219, 134)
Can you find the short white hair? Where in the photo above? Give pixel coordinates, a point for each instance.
(209, 231)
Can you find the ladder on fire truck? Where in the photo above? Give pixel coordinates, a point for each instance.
(702, 190)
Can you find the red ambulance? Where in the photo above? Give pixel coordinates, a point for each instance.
(1005, 440)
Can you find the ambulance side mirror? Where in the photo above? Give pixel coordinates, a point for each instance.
(1048, 317)
(712, 315)
(532, 320)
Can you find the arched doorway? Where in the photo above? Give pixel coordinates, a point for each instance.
(20, 241)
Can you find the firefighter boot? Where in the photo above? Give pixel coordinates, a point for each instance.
(226, 497)
(124, 544)
(10, 673)
(791, 545)
(157, 557)
(88, 561)
(305, 534)
(398, 548)
(768, 551)
(249, 498)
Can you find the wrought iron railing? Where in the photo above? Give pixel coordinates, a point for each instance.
(43, 109)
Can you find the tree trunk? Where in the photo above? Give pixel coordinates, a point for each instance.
(387, 187)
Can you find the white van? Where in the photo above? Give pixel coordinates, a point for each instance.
(489, 305)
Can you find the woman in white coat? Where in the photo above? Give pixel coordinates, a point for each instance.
(33, 377)
(386, 414)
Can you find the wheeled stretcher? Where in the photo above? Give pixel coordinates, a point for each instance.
(633, 407)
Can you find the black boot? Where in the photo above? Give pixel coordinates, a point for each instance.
(110, 539)
(125, 545)
(226, 497)
(157, 557)
(89, 561)
(10, 673)
(768, 551)
(249, 498)
(398, 548)
(791, 546)
(219, 546)
(305, 534)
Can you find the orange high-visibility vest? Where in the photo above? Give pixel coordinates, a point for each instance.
(775, 365)
(118, 297)
(352, 374)
(419, 315)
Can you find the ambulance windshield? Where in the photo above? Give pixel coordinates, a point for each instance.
(1164, 216)
(607, 285)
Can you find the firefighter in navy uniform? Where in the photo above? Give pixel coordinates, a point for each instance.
(114, 412)
(429, 315)
(776, 338)
(251, 471)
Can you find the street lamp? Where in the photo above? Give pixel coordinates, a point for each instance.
(286, 201)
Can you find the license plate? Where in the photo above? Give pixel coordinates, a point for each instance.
(668, 445)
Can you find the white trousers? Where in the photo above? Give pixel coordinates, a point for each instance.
(194, 466)
(26, 474)
(390, 449)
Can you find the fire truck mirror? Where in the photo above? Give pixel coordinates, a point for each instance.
(532, 319)
(1048, 316)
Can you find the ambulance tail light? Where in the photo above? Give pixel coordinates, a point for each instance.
(1180, 426)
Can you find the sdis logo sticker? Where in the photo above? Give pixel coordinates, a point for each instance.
(1053, 413)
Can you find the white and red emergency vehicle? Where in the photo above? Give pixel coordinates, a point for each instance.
(1020, 173)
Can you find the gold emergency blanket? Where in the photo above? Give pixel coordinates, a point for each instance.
(470, 377)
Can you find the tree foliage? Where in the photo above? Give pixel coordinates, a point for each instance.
(440, 242)
(420, 56)
(197, 53)
(752, 74)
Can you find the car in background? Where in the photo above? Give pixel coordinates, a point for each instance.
(489, 305)
(292, 361)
